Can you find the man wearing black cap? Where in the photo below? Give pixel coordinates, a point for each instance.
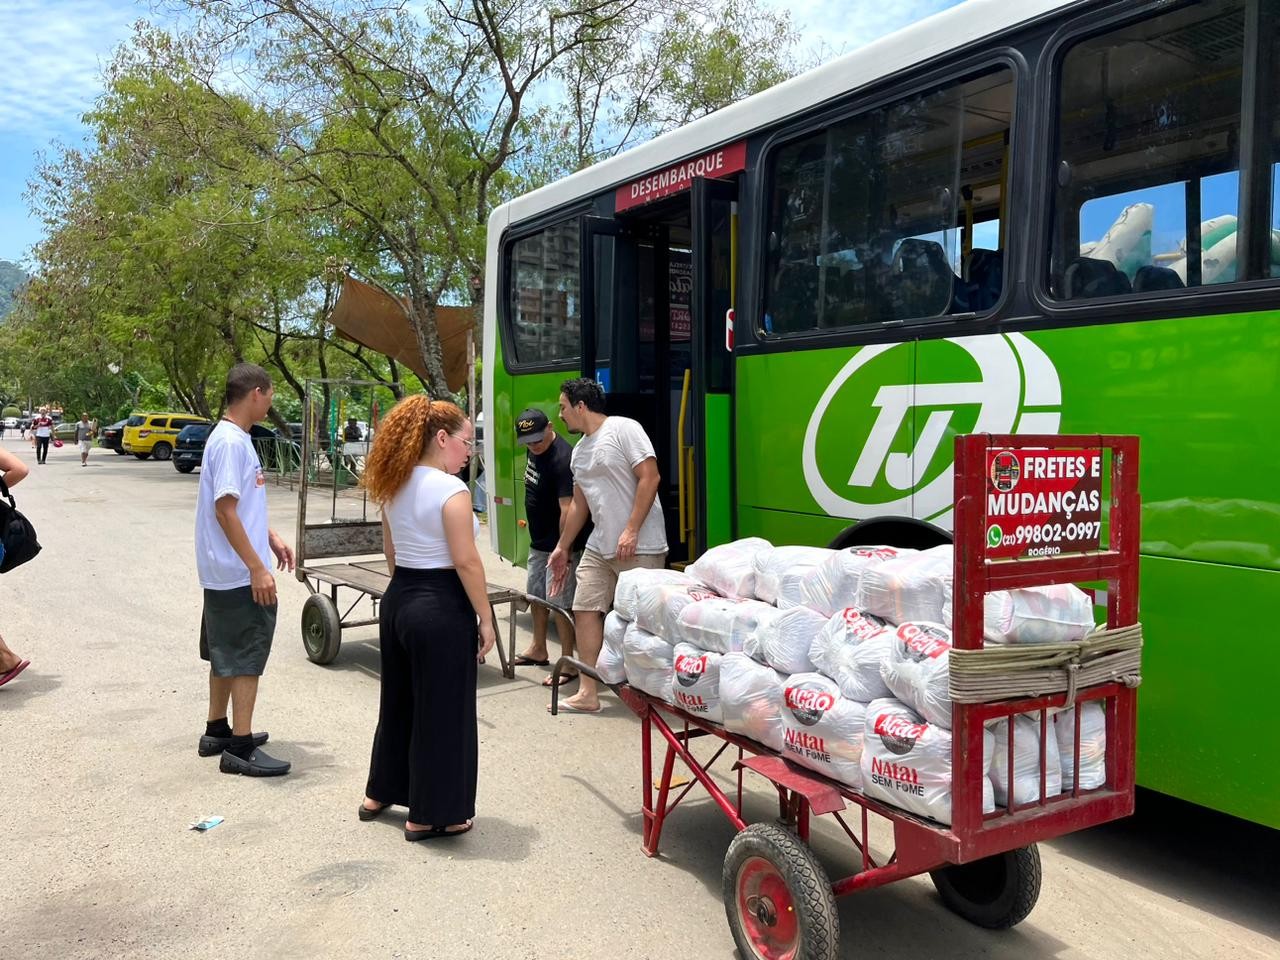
(548, 493)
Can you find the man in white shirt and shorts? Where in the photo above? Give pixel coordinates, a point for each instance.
(615, 485)
(234, 550)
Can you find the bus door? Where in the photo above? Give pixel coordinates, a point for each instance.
(656, 287)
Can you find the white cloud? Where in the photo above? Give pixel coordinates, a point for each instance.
(51, 58)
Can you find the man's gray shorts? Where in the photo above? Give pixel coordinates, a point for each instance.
(539, 583)
(235, 633)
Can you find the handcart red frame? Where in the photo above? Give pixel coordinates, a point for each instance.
(779, 900)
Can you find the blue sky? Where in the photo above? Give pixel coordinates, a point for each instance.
(52, 53)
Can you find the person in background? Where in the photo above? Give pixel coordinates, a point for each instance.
(234, 550)
(84, 437)
(548, 495)
(351, 433)
(42, 431)
(615, 485)
(435, 623)
(13, 470)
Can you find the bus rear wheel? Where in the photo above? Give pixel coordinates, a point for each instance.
(891, 532)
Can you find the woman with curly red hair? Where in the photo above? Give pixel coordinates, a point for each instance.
(435, 623)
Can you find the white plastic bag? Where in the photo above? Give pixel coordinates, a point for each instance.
(610, 664)
(1026, 760)
(630, 581)
(789, 564)
(696, 685)
(730, 569)
(783, 642)
(649, 662)
(751, 699)
(907, 762)
(821, 729)
(1093, 745)
(850, 649)
(723, 624)
(914, 587)
(1060, 613)
(918, 670)
(836, 583)
(658, 606)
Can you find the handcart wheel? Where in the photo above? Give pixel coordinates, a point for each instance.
(996, 892)
(321, 629)
(778, 897)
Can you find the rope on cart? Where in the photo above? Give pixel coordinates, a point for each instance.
(1005, 672)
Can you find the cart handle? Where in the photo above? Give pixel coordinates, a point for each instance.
(582, 668)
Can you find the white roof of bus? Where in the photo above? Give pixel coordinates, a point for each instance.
(949, 30)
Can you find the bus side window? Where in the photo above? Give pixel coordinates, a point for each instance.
(864, 217)
(1147, 164)
(545, 295)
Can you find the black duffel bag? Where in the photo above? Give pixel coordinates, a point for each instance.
(17, 535)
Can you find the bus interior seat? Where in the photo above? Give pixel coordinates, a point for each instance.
(981, 280)
(1086, 277)
(1156, 278)
(923, 281)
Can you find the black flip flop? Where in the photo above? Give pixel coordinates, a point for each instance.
(435, 833)
(523, 661)
(366, 814)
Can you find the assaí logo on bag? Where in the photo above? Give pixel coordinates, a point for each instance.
(862, 626)
(689, 670)
(898, 734)
(924, 641)
(808, 703)
(1017, 390)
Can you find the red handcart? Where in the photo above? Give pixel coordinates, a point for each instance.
(779, 899)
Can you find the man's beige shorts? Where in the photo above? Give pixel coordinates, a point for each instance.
(598, 578)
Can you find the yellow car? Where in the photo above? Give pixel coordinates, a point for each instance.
(154, 434)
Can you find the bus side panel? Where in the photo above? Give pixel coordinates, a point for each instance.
(783, 527)
(718, 475)
(811, 421)
(1208, 731)
(500, 436)
(519, 391)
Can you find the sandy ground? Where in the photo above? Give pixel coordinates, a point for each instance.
(99, 779)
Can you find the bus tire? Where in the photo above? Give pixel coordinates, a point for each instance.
(778, 898)
(892, 532)
(995, 892)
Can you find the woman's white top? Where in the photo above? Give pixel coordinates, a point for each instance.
(416, 517)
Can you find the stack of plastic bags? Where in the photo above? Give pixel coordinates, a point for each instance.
(840, 659)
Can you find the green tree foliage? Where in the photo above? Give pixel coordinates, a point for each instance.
(12, 277)
(239, 167)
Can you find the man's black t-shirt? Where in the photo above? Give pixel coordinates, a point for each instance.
(547, 478)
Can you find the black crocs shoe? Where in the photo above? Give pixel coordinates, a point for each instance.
(259, 764)
(212, 746)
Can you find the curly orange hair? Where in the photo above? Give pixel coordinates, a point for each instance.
(401, 438)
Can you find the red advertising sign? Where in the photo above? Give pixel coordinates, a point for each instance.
(1041, 503)
(714, 164)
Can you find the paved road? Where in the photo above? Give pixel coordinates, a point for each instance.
(99, 779)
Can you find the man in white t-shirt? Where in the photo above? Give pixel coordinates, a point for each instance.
(615, 485)
(234, 551)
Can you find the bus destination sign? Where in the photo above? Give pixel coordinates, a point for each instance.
(1042, 503)
(714, 164)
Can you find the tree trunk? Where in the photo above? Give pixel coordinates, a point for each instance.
(422, 316)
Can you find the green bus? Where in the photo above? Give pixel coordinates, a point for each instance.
(1038, 217)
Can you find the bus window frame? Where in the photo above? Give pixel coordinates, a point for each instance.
(884, 92)
(513, 234)
(1237, 296)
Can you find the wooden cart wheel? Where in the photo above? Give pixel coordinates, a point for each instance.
(996, 892)
(778, 898)
(321, 629)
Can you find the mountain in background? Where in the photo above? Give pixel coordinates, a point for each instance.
(12, 277)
